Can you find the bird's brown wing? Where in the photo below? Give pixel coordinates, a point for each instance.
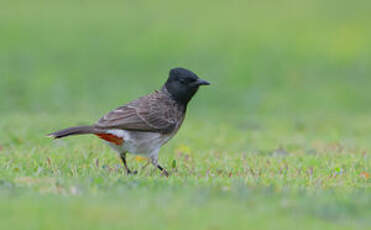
(155, 112)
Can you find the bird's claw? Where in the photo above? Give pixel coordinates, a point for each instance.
(129, 172)
(165, 173)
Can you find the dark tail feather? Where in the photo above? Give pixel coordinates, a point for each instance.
(72, 131)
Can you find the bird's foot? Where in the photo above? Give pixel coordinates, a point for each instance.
(129, 172)
(164, 172)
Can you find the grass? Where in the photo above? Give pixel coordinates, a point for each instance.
(279, 141)
(231, 180)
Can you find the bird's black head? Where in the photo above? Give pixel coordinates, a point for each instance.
(182, 84)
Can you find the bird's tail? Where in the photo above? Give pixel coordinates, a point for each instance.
(78, 130)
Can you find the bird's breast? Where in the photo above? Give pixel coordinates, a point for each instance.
(135, 142)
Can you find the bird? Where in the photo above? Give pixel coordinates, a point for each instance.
(142, 126)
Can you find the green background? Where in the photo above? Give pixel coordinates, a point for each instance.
(281, 139)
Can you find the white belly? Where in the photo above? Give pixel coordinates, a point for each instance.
(142, 143)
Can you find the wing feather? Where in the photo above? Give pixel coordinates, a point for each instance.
(155, 112)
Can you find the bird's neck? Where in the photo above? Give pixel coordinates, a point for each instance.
(178, 99)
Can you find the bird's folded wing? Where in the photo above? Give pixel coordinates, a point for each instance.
(151, 113)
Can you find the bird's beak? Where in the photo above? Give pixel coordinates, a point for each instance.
(202, 82)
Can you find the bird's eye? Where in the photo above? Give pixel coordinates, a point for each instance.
(182, 81)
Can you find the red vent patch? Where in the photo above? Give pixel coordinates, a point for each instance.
(111, 138)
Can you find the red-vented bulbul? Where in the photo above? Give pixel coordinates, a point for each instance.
(145, 124)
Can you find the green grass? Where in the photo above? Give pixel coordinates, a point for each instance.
(281, 140)
(224, 177)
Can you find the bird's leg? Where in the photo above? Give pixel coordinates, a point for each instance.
(154, 160)
(123, 158)
(163, 170)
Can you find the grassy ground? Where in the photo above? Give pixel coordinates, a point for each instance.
(279, 141)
